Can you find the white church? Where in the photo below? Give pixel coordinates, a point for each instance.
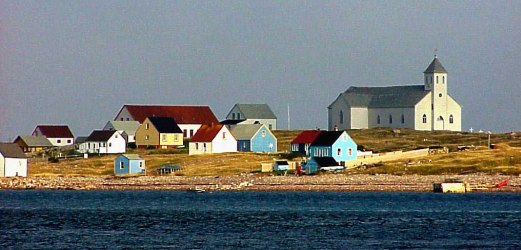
(420, 107)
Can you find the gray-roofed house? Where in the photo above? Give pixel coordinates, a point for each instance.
(254, 138)
(253, 114)
(420, 107)
(103, 142)
(125, 128)
(33, 144)
(13, 161)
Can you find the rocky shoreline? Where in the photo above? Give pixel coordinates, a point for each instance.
(252, 182)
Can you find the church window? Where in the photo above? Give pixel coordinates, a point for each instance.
(341, 117)
(441, 95)
(424, 118)
(390, 119)
(451, 119)
(443, 80)
(436, 79)
(403, 119)
(378, 119)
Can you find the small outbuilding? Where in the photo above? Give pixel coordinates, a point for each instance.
(280, 166)
(168, 169)
(129, 164)
(13, 161)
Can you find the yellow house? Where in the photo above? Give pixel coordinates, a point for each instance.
(159, 132)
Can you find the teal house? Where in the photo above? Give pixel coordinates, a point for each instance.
(129, 164)
(335, 144)
(254, 138)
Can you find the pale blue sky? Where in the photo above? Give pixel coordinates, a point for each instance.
(78, 62)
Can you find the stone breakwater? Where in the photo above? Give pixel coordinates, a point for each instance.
(252, 182)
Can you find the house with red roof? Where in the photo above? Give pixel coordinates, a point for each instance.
(302, 142)
(188, 118)
(58, 135)
(213, 138)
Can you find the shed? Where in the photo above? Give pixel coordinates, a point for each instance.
(168, 169)
(129, 164)
(280, 166)
(13, 161)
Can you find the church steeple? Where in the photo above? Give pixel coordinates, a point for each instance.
(436, 82)
(435, 74)
(435, 67)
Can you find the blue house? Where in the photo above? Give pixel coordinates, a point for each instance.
(129, 164)
(254, 138)
(336, 144)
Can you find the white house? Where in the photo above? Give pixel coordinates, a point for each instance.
(58, 135)
(212, 139)
(252, 114)
(419, 107)
(127, 128)
(13, 161)
(103, 142)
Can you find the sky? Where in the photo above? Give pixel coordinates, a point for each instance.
(77, 62)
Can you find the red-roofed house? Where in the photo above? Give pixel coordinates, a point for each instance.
(58, 135)
(301, 143)
(188, 118)
(212, 139)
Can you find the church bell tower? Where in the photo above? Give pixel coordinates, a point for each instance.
(435, 80)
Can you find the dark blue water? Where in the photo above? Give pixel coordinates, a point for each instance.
(253, 220)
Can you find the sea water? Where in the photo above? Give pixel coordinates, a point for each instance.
(258, 220)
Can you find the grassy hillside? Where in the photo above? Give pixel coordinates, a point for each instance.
(505, 160)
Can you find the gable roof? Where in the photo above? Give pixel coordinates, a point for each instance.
(435, 67)
(127, 126)
(181, 114)
(100, 135)
(256, 111)
(307, 136)
(54, 131)
(11, 150)
(326, 161)
(132, 156)
(326, 138)
(165, 124)
(245, 131)
(231, 122)
(384, 97)
(34, 141)
(206, 133)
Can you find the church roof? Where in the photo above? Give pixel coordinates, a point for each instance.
(384, 97)
(435, 67)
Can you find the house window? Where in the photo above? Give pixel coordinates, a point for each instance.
(197, 146)
(58, 141)
(344, 138)
(121, 119)
(378, 119)
(341, 117)
(339, 152)
(121, 165)
(176, 137)
(163, 138)
(224, 135)
(233, 116)
(270, 126)
(204, 147)
(403, 119)
(191, 132)
(110, 144)
(451, 119)
(238, 116)
(426, 82)
(116, 136)
(349, 151)
(424, 118)
(263, 133)
(147, 126)
(68, 141)
(140, 164)
(390, 119)
(128, 119)
(146, 137)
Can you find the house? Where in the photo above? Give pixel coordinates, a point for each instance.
(280, 165)
(103, 142)
(129, 164)
(254, 138)
(188, 118)
(321, 163)
(13, 161)
(212, 139)
(420, 107)
(301, 143)
(58, 135)
(253, 114)
(126, 128)
(159, 132)
(32, 144)
(336, 144)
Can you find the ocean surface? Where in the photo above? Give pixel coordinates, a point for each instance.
(258, 220)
